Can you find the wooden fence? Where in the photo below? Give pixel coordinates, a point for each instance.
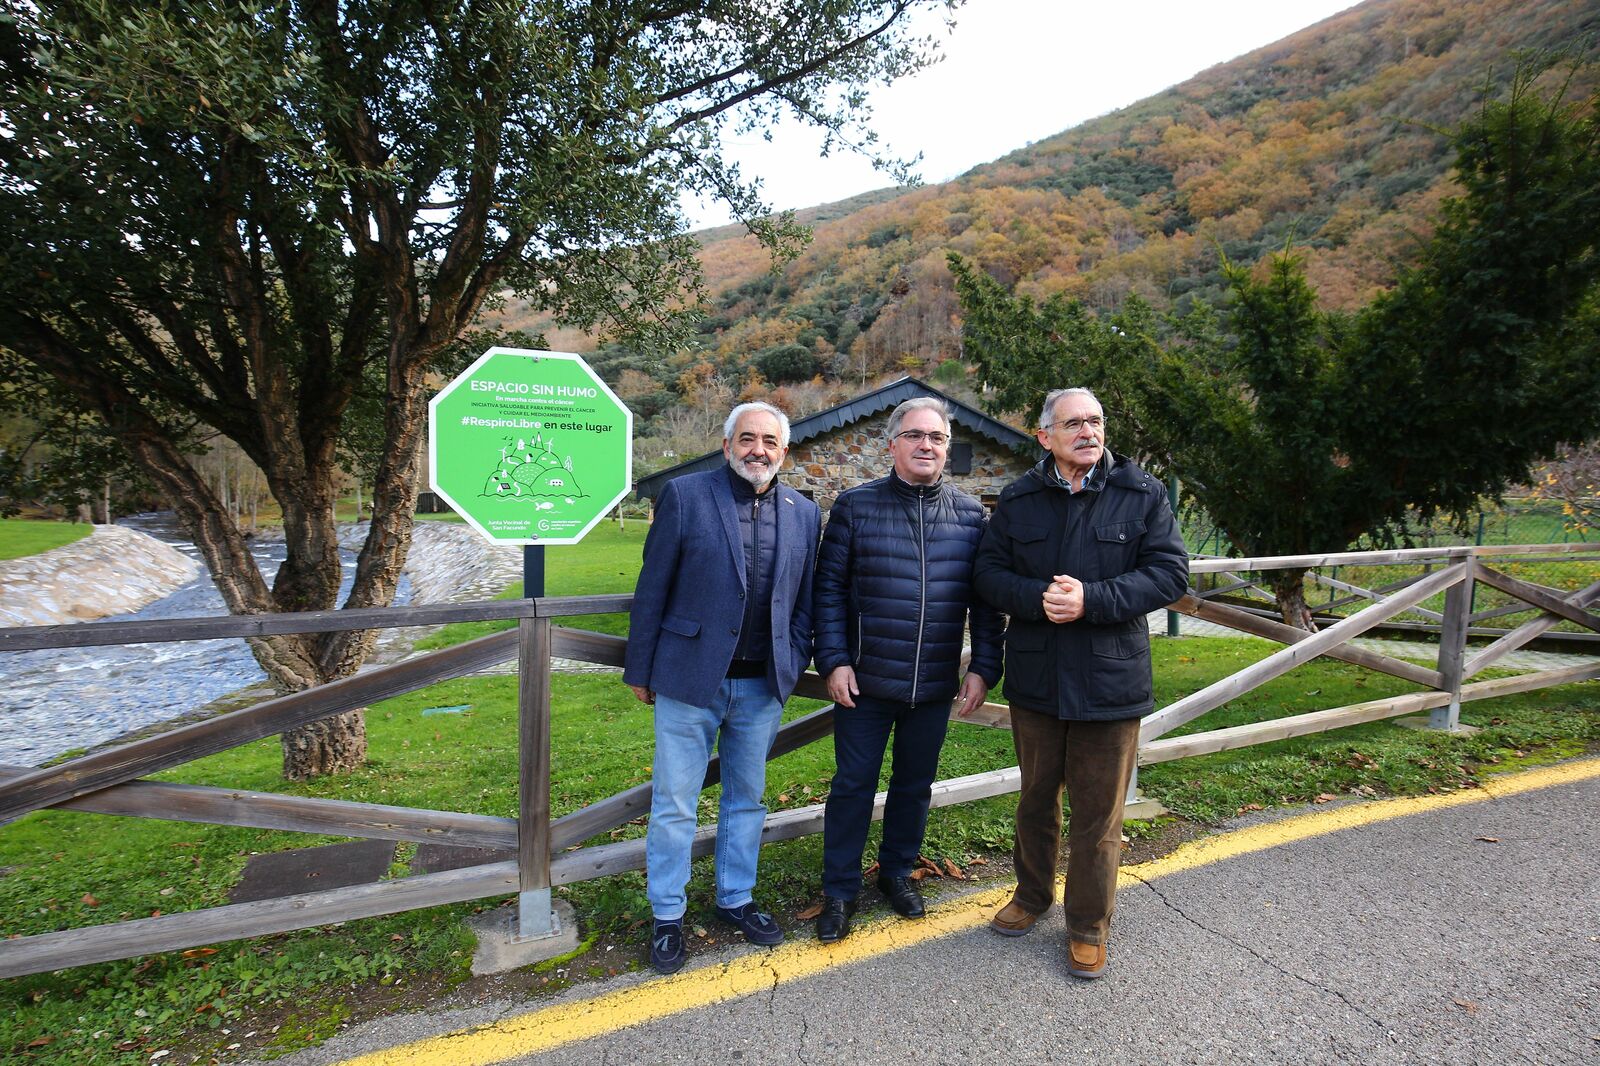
(110, 781)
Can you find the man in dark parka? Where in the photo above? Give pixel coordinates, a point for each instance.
(893, 592)
(1079, 550)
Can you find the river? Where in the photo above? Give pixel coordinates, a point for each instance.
(70, 698)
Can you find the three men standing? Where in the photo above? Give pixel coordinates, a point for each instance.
(1078, 551)
(893, 593)
(719, 632)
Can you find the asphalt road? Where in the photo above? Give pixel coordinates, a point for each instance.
(1441, 934)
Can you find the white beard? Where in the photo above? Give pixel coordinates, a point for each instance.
(759, 476)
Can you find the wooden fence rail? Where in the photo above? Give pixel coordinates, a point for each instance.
(110, 781)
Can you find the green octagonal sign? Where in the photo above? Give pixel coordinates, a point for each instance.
(530, 447)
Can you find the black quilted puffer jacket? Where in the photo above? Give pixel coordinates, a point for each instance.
(894, 586)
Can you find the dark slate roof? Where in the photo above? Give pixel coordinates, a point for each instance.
(864, 406)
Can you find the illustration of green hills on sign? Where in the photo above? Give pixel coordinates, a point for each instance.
(532, 470)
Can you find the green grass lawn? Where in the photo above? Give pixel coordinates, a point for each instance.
(66, 869)
(605, 562)
(30, 536)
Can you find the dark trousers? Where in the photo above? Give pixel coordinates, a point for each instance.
(860, 735)
(1092, 761)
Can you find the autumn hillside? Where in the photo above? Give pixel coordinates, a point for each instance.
(1328, 139)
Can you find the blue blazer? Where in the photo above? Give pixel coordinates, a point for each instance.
(689, 603)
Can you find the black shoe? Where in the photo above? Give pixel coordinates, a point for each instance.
(902, 895)
(756, 925)
(666, 947)
(833, 924)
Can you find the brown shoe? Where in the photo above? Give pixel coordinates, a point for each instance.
(1086, 960)
(1013, 919)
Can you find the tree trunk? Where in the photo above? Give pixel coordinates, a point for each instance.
(1289, 586)
(222, 482)
(331, 746)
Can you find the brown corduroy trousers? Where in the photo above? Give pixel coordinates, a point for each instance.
(1092, 761)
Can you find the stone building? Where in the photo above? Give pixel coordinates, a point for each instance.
(846, 445)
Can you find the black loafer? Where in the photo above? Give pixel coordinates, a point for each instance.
(666, 948)
(756, 925)
(902, 894)
(833, 924)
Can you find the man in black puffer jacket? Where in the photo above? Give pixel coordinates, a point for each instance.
(893, 590)
(1080, 549)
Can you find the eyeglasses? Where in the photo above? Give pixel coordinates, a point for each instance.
(917, 436)
(1072, 425)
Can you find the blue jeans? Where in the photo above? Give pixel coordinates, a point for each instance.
(747, 712)
(860, 735)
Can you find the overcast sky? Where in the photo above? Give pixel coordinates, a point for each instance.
(1017, 71)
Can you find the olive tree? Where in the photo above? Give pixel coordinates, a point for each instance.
(276, 219)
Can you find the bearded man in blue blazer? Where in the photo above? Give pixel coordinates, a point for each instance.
(719, 632)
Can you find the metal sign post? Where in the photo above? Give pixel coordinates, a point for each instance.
(531, 448)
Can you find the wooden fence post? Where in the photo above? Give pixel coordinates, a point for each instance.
(1453, 646)
(535, 917)
(1136, 804)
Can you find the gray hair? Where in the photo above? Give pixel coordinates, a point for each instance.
(1051, 400)
(918, 403)
(757, 405)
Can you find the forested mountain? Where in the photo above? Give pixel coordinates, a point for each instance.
(1328, 140)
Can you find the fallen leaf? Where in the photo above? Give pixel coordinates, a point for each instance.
(89, 900)
(870, 870)
(953, 870)
(195, 953)
(979, 861)
(166, 891)
(1490, 840)
(1324, 797)
(918, 874)
(783, 797)
(809, 913)
(40, 1041)
(1469, 1007)
(1251, 807)
(700, 931)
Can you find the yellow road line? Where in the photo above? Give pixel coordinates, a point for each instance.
(759, 971)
